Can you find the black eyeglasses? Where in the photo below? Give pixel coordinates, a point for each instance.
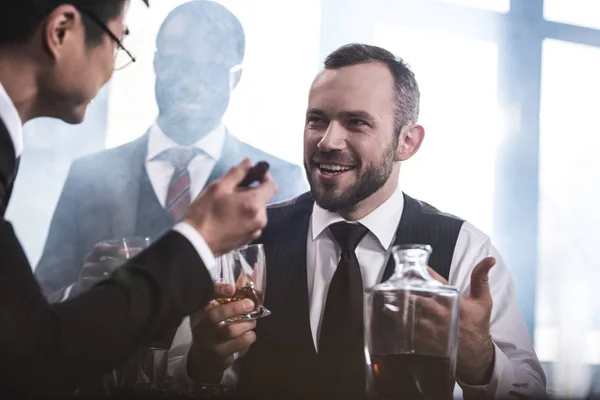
(120, 62)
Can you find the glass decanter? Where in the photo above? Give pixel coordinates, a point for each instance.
(411, 331)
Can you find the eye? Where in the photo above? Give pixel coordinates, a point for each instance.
(358, 122)
(313, 119)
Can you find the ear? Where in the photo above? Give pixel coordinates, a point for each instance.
(410, 141)
(61, 25)
(234, 77)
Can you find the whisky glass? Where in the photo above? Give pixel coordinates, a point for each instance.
(245, 268)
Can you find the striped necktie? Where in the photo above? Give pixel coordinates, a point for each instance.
(178, 194)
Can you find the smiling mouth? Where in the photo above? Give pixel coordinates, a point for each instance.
(333, 169)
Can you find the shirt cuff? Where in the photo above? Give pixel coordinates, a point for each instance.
(196, 239)
(67, 292)
(494, 389)
(178, 370)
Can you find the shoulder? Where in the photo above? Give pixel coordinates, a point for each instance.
(106, 160)
(289, 211)
(428, 211)
(305, 200)
(257, 154)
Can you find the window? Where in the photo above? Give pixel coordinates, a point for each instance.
(567, 302)
(454, 169)
(490, 5)
(575, 12)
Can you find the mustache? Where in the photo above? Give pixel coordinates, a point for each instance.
(333, 157)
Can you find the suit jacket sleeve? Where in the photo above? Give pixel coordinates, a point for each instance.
(63, 254)
(50, 349)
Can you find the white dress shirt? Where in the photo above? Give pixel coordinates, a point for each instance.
(517, 371)
(12, 121)
(200, 168)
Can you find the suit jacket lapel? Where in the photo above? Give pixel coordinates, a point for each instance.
(286, 270)
(8, 167)
(403, 233)
(230, 157)
(128, 167)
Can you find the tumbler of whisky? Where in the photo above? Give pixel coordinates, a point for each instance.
(246, 269)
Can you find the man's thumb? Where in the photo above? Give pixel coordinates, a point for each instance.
(237, 174)
(480, 288)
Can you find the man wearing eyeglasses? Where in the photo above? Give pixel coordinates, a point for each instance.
(54, 57)
(199, 51)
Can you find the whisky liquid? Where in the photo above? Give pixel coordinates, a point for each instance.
(246, 292)
(412, 376)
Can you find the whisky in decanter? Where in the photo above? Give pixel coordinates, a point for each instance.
(411, 331)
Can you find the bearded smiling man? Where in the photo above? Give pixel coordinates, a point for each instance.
(324, 247)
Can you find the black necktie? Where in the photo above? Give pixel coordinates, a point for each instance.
(341, 348)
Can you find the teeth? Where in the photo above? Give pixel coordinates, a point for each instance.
(333, 167)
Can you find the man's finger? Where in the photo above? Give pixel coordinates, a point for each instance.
(232, 331)
(264, 192)
(436, 276)
(223, 290)
(97, 270)
(236, 345)
(480, 288)
(226, 311)
(236, 174)
(100, 250)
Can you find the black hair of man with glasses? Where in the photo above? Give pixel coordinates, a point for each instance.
(54, 57)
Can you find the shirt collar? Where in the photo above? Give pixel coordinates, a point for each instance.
(382, 222)
(12, 121)
(211, 144)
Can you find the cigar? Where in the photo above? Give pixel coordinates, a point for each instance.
(256, 173)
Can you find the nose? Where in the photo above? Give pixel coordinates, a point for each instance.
(334, 138)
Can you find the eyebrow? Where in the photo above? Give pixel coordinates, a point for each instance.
(347, 114)
(316, 111)
(359, 114)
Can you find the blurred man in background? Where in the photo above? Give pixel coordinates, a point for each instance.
(133, 190)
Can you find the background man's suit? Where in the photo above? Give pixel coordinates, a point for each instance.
(49, 349)
(108, 195)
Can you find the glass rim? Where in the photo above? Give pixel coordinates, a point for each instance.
(250, 246)
(423, 247)
(126, 239)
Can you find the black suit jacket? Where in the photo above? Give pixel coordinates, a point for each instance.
(100, 198)
(283, 362)
(50, 349)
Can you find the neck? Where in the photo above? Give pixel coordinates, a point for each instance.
(370, 204)
(18, 76)
(186, 132)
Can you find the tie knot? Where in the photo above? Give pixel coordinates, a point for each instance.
(348, 236)
(179, 157)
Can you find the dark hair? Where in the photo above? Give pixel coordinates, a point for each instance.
(406, 87)
(20, 18)
(211, 25)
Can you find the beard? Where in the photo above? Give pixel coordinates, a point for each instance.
(368, 182)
